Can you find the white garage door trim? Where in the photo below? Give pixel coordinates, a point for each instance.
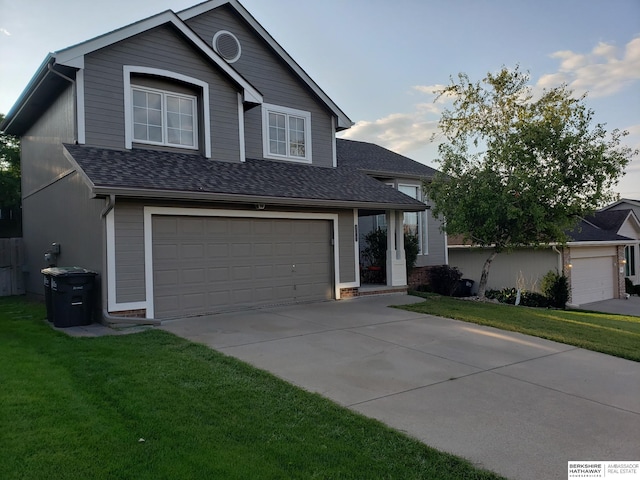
(149, 212)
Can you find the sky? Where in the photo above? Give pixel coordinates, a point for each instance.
(380, 61)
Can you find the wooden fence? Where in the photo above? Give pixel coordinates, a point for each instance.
(11, 266)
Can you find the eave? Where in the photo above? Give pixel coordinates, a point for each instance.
(179, 195)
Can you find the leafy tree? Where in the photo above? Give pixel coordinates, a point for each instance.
(9, 169)
(517, 169)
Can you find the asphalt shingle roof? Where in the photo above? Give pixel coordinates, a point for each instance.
(149, 170)
(604, 231)
(609, 219)
(373, 158)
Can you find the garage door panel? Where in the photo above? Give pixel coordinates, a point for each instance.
(218, 250)
(194, 275)
(208, 263)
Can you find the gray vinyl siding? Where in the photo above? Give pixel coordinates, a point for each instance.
(63, 213)
(346, 237)
(41, 146)
(437, 245)
(161, 48)
(56, 203)
(129, 247)
(273, 78)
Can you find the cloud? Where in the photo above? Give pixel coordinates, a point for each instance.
(5, 31)
(602, 72)
(399, 132)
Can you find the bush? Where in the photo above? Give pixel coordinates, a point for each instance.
(411, 249)
(375, 252)
(556, 288)
(444, 279)
(527, 299)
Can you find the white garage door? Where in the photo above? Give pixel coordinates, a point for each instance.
(592, 279)
(208, 264)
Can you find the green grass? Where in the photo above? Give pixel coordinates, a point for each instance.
(617, 335)
(75, 408)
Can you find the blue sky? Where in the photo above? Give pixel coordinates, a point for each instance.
(380, 60)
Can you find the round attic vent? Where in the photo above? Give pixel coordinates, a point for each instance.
(227, 46)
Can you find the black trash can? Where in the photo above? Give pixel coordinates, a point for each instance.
(71, 291)
(463, 287)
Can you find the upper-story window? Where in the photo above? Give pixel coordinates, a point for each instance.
(166, 108)
(164, 118)
(286, 133)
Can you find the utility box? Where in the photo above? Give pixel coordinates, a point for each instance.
(71, 295)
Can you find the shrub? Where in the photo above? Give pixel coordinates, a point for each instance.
(375, 252)
(444, 279)
(556, 288)
(527, 299)
(411, 249)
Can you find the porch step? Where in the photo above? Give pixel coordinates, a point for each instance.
(371, 290)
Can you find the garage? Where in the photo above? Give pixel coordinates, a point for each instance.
(204, 264)
(593, 278)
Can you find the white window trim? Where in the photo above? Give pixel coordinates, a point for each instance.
(423, 225)
(165, 127)
(269, 108)
(128, 102)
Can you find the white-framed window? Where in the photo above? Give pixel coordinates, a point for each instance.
(164, 118)
(416, 222)
(630, 257)
(286, 133)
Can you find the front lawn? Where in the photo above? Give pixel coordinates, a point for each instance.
(153, 406)
(617, 335)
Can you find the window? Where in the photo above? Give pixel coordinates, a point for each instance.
(164, 118)
(415, 222)
(286, 133)
(630, 257)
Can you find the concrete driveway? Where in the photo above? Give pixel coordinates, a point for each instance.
(518, 405)
(629, 306)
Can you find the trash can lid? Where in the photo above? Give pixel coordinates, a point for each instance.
(66, 271)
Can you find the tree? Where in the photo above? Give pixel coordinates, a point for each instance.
(9, 169)
(517, 170)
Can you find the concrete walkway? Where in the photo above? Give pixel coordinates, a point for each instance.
(518, 405)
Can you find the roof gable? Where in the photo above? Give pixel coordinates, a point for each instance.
(72, 58)
(343, 121)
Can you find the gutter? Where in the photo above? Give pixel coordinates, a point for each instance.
(28, 92)
(560, 259)
(74, 95)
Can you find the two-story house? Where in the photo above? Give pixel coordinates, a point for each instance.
(192, 163)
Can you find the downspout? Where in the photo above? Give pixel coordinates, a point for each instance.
(560, 262)
(75, 99)
(106, 316)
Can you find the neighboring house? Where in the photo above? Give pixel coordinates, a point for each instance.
(593, 259)
(632, 250)
(193, 164)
